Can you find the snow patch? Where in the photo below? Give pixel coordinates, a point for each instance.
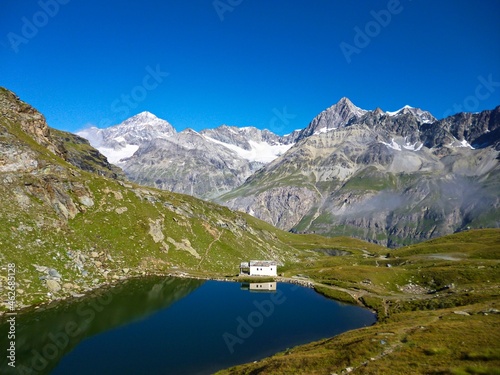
(323, 130)
(464, 143)
(260, 151)
(114, 156)
(392, 145)
(399, 110)
(413, 147)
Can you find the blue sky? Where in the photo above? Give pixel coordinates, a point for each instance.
(270, 64)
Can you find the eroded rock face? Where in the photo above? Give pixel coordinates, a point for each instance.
(283, 207)
(31, 121)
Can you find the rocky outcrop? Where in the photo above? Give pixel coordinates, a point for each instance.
(31, 122)
(75, 150)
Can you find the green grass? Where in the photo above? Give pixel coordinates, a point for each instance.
(337, 295)
(421, 333)
(370, 179)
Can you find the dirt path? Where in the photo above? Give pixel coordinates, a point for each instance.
(219, 235)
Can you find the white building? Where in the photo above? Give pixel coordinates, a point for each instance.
(259, 268)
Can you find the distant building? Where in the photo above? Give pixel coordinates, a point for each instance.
(259, 268)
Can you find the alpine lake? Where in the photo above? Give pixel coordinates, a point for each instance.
(165, 325)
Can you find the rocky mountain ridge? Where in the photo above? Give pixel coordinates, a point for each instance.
(393, 178)
(369, 174)
(205, 164)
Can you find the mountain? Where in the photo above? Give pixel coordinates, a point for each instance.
(393, 178)
(205, 164)
(337, 116)
(390, 177)
(121, 141)
(345, 113)
(70, 230)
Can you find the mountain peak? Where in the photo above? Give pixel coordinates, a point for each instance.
(345, 100)
(423, 116)
(142, 117)
(338, 115)
(149, 120)
(345, 105)
(122, 141)
(145, 114)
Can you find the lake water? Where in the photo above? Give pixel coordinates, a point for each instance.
(174, 326)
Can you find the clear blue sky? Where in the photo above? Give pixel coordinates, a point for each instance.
(242, 64)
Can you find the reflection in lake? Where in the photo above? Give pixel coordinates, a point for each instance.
(45, 335)
(260, 287)
(175, 326)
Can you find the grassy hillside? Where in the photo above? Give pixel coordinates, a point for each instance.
(438, 307)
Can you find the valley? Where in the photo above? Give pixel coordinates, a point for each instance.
(73, 226)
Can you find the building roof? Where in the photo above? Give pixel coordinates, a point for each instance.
(262, 263)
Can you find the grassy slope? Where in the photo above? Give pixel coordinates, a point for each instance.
(417, 332)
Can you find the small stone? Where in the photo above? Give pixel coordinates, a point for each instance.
(40, 268)
(20, 291)
(126, 270)
(461, 313)
(121, 210)
(94, 254)
(54, 273)
(86, 201)
(98, 264)
(68, 286)
(53, 286)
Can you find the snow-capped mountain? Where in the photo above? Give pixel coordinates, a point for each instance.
(204, 164)
(388, 177)
(351, 171)
(122, 141)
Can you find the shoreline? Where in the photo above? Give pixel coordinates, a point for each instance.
(182, 275)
